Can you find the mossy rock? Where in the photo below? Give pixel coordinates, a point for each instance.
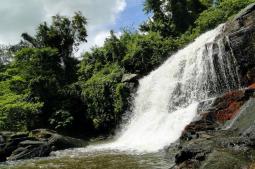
(225, 160)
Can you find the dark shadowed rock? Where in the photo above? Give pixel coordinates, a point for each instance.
(30, 142)
(19, 135)
(193, 151)
(39, 143)
(240, 35)
(31, 151)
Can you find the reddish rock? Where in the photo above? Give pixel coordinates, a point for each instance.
(252, 86)
(224, 108)
(228, 113)
(228, 106)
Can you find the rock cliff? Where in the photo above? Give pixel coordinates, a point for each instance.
(224, 136)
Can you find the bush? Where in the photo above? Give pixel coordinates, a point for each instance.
(61, 120)
(98, 92)
(146, 52)
(220, 14)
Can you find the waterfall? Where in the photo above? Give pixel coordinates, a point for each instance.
(167, 99)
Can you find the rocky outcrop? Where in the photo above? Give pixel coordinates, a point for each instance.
(226, 126)
(221, 110)
(240, 35)
(224, 136)
(37, 143)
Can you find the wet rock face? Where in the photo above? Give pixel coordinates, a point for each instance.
(204, 140)
(37, 143)
(240, 34)
(228, 106)
(220, 110)
(240, 42)
(202, 137)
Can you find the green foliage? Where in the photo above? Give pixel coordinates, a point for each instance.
(114, 49)
(16, 113)
(41, 70)
(105, 96)
(220, 14)
(121, 95)
(65, 35)
(61, 120)
(34, 62)
(43, 85)
(99, 94)
(146, 52)
(171, 18)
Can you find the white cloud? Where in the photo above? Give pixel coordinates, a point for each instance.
(100, 38)
(96, 41)
(18, 16)
(121, 5)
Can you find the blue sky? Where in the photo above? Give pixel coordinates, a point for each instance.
(132, 16)
(18, 16)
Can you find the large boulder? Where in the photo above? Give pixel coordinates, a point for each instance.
(37, 143)
(59, 142)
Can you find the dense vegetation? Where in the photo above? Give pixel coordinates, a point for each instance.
(44, 85)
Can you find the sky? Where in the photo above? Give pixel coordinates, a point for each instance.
(18, 16)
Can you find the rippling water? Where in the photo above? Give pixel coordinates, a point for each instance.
(96, 160)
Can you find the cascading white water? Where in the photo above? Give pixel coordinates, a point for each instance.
(167, 99)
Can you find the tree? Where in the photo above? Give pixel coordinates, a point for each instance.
(47, 64)
(171, 18)
(115, 50)
(63, 34)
